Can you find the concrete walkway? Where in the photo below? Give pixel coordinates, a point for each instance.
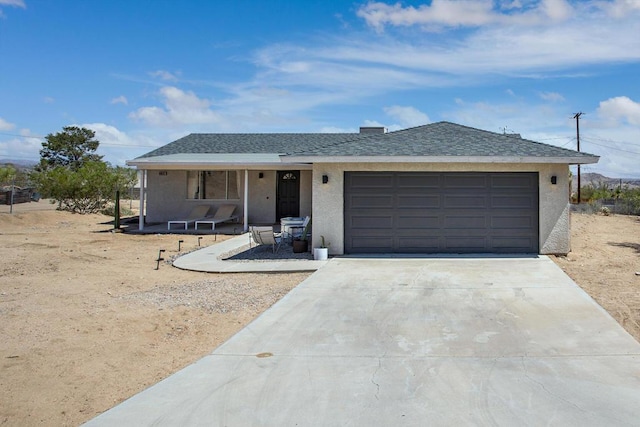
(208, 260)
(434, 341)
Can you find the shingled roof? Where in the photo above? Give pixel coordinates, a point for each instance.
(278, 143)
(441, 139)
(435, 142)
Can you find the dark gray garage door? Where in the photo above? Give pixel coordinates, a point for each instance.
(399, 212)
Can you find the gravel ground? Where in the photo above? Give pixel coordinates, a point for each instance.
(265, 253)
(224, 295)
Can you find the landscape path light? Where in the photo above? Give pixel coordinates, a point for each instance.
(160, 258)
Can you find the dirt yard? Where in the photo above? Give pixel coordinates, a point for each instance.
(605, 262)
(86, 320)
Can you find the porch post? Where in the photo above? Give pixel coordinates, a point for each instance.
(246, 200)
(142, 174)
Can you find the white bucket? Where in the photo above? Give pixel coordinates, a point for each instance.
(320, 254)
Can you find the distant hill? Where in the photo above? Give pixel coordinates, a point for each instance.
(18, 163)
(597, 179)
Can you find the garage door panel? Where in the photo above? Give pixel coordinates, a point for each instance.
(413, 244)
(418, 201)
(417, 180)
(441, 212)
(406, 222)
(521, 182)
(524, 222)
(511, 244)
(519, 201)
(463, 201)
(373, 244)
(465, 222)
(372, 202)
(369, 222)
(465, 244)
(464, 180)
(372, 180)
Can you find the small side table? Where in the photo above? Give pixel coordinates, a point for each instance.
(288, 225)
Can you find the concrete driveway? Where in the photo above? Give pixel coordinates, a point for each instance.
(433, 341)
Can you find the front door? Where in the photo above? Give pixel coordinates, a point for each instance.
(288, 194)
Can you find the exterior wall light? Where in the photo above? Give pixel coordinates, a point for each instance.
(261, 175)
(325, 179)
(554, 180)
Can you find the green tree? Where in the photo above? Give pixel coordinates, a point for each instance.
(7, 174)
(126, 178)
(73, 175)
(70, 148)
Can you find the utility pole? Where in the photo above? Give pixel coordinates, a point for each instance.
(577, 117)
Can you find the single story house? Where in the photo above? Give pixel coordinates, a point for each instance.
(437, 188)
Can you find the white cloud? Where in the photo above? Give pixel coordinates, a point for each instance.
(25, 147)
(440, 12)
(557, 10)
(463, 13)
(618, 110)
(48, 100)
(551, 96)
(120, 100)
(165, 75)
(620, 8)
(407, 116)
(604, 133)
(372, 123)
(365, 65)
(5, 125)
(179, 108)
(118, 146)
(16, 3)
(335, 129)
(12, 3)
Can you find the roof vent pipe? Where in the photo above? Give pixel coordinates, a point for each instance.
(368, 130)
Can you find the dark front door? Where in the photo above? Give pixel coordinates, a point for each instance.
(288, 194)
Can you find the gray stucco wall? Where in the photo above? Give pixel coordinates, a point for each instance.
(167, 196)
(262, 197)
(306, 178)
(328, 199)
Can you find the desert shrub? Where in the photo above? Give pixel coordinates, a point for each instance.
(88, 189)
(110, 210)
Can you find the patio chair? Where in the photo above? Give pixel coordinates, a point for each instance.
(296, 231)
(223, 214)
(197, 213)
(266, 236)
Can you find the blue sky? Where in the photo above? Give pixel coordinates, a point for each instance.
(146, 72)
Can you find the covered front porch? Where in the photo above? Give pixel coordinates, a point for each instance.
(261, 195)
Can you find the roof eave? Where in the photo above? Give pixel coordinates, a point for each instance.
(185, 165)
(571, 160)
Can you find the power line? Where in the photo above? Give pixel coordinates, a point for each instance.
(107, 144)
(22, 136)
(567, 143)
(549, 139)
(614, 148)
(609, 140)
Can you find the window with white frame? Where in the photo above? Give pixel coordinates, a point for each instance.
(216, 185)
